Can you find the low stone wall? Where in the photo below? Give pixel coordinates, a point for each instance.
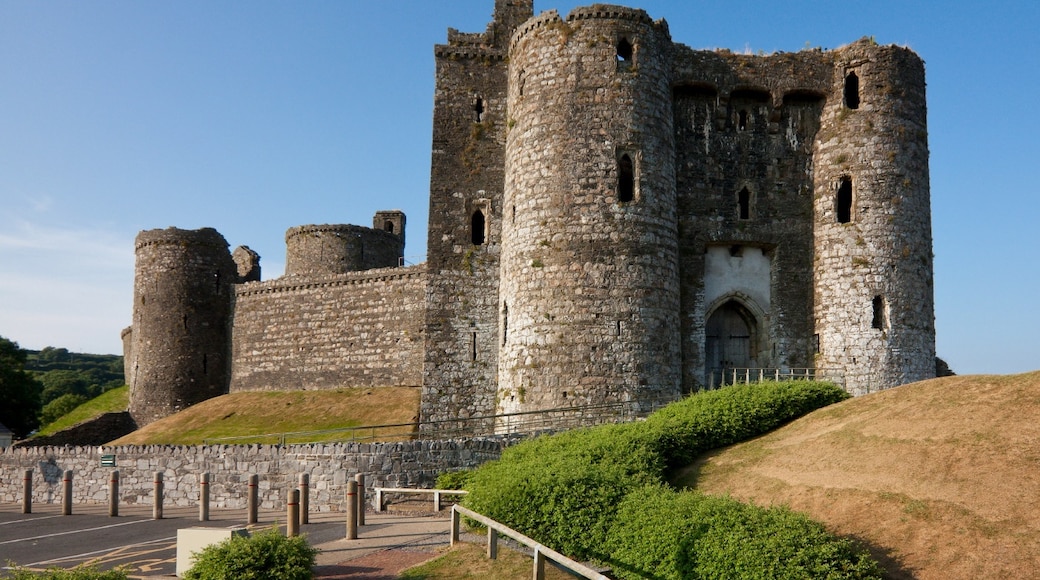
(403, 464)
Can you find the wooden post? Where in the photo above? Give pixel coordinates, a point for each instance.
(360, 479)
(251, 499)
(66, 493)
(157, 500)
(27, 492)
(204, 497)
(492, 546)
(379, 499)
(292, 518)
(304, 485)
(437, 501)
(539, 565)
(351, 510)
(113, 494)
(454, 526)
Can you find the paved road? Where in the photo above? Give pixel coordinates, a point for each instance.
(145, 546)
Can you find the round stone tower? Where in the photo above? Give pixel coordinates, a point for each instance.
(322, 250)
(874, 311)
(589, 294)
(181, 318)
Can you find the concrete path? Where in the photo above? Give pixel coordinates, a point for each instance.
(387, 543)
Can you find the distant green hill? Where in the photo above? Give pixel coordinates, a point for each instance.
(72, 373)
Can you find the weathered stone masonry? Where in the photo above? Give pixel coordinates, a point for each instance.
(614, 216)
(405, 464)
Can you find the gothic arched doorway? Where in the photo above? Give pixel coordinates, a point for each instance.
(731, 338)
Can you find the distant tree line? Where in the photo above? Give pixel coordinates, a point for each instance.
(37, 387)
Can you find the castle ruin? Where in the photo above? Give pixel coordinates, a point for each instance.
(614, 217)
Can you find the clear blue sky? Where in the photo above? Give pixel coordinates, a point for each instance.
(255, 116)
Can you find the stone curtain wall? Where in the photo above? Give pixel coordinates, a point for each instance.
(361, 329)
(404, 464)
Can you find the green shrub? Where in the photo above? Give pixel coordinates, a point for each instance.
(78, 573)
(267, 555)
(712, 419)
(667, 535)
(453, 479)
(563, 490)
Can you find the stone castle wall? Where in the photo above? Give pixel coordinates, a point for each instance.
(362, 329)
(613, 217)
(403, 464)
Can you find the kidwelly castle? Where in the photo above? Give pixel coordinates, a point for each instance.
(613, 217)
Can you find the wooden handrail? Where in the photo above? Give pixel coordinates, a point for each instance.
(541, 552)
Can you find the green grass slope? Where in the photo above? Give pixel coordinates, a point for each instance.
(256, 415)
(111, 401)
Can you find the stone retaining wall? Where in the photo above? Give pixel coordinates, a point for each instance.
(404, 464)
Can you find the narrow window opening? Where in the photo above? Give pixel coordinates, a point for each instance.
(565, 394)
(514, 214)
(184, 321)
(505, 323)
(843, 203)
(626, 180)
(473, 346)
(619, 328)
(852, 91)
(878, 320)
(742, 120)
(477, 226)
(479, 108)
(744, 203)
(205, 365)
(816, 343)
(520, 81)
(624, 51)
(389, 226)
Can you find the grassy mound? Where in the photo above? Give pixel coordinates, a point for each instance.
(565, 490)
(111, 401)
(940, 477)
(258, 415)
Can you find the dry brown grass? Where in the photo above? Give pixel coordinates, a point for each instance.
(941, 478)
(469, 562)
(260, 413)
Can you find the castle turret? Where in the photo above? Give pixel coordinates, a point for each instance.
(874, 311)
(323, 250)
(179, 338)
(589, 295)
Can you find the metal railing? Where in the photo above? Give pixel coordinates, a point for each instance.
(739, 376)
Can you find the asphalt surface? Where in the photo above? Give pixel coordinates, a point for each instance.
(143, 546)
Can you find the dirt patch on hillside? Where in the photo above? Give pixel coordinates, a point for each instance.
(941, 478)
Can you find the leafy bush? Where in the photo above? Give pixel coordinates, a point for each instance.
(660, 533)
(60, 407)
(563, 490)
(267, 555)
(79, 573)
(453, 479)
(712, 419)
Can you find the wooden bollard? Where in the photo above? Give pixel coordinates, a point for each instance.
(292, 518)
(113, 494)
(27, 492)
(204, 497)
(360, 479)
(66, 493)
(351, 510)
(305, 504)
(251, 499)
(157, 499)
